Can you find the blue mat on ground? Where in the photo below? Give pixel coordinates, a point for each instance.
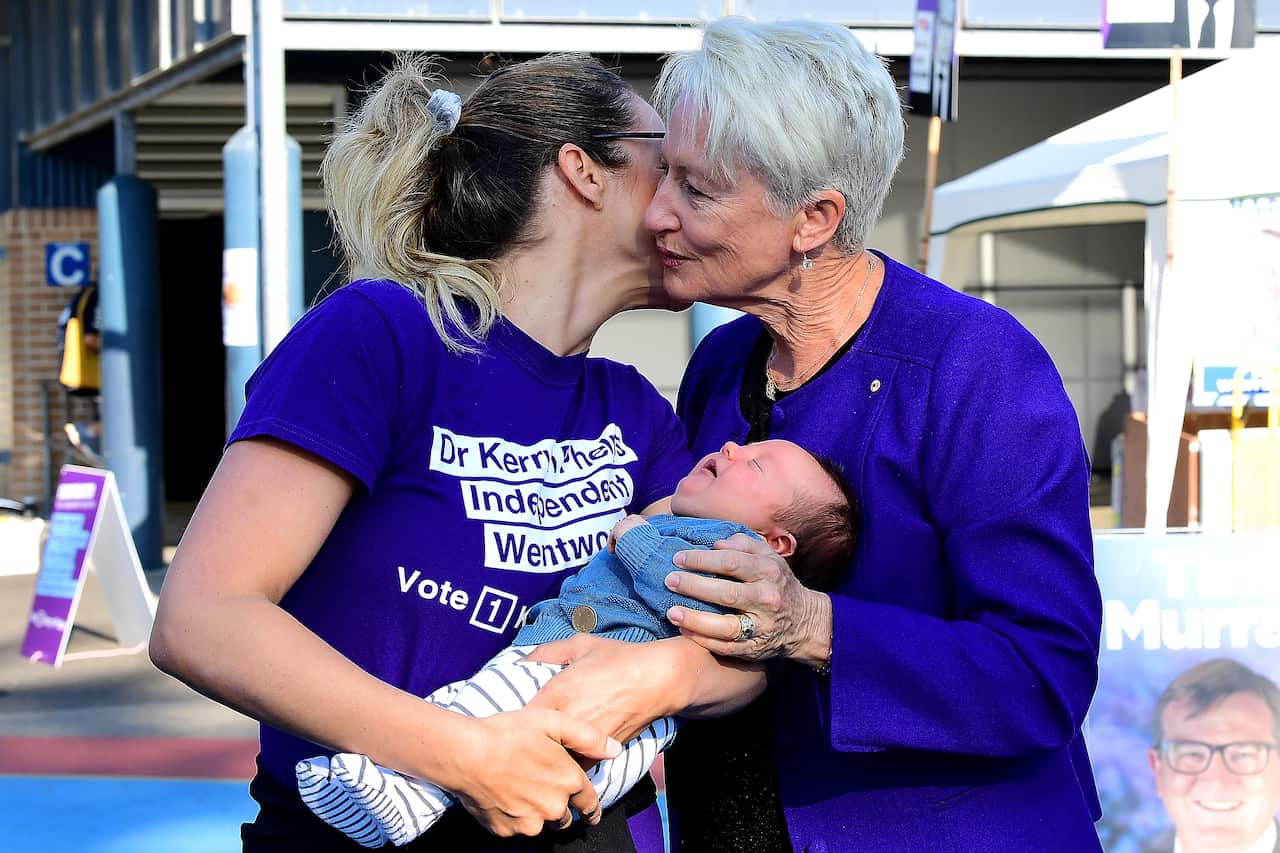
(122, 815)
(54, 814)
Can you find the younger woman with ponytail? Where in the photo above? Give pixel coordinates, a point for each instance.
(430, 451)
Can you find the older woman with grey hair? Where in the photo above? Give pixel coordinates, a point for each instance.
(934, 699)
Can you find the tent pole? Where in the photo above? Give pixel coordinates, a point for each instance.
(1175, 75)
(930, 180)
(1168, 278)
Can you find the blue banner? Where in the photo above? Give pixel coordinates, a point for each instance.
(1190, 606)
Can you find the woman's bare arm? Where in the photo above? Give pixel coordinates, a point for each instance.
(619, 687)
(219, 628)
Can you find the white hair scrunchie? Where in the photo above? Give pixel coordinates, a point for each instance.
(446, 108)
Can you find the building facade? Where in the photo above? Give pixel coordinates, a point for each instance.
(155, 91)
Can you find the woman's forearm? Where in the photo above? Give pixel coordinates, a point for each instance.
(813, 637)
(664, 678)
(219, 628)
(715, 686)
(246, 652)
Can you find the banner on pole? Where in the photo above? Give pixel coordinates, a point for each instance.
(87, 531)
(1234, 257)
(240, 298)
(933, 76)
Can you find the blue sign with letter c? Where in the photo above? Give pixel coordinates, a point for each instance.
(66, 264)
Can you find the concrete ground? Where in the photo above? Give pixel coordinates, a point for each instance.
(101, 690)
(108, 755)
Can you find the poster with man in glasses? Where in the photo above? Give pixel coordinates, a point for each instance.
(1184, 730)
(1216, 728)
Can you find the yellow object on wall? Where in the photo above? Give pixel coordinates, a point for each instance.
(81, 365)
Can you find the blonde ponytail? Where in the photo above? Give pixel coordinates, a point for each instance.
(431, 204)
(379, 178)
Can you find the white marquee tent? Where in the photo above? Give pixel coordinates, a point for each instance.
(1115, 168)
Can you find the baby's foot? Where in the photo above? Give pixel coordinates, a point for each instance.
(402, 807)
(330, 800)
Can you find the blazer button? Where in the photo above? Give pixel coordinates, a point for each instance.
(584, 619)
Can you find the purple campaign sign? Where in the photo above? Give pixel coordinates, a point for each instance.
(76, 505)
(931, 78)
(920, 70)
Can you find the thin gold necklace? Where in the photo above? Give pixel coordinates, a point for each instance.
(772, 387)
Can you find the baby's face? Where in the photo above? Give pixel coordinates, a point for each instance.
(749, 484)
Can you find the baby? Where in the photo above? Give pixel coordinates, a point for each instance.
(774, 490)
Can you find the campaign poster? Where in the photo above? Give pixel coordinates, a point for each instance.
(76, 507)
(932, 77)
(1179, 605)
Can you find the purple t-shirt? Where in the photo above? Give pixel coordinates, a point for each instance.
(487, 479)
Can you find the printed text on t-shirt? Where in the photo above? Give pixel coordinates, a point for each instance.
(569, 492)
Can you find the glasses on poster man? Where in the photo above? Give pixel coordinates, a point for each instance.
(1243, 758)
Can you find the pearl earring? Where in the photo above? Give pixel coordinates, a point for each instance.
(806, 263)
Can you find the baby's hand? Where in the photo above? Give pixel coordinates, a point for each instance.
(622, 527)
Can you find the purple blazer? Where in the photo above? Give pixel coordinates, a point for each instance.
(965, 651)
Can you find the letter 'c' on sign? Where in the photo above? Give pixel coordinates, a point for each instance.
(67, 264)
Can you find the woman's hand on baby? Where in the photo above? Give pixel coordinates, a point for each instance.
(623, 525)
(517, 775)
(787, 619)
(614, 686)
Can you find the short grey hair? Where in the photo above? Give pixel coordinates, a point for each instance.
(802, 105)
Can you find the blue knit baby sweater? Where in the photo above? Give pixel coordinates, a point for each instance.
(623, 593)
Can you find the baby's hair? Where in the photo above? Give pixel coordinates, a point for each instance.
(825, 532)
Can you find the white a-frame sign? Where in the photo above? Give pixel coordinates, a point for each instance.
(87, 531)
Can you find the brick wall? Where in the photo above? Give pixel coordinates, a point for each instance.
(28, 340)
